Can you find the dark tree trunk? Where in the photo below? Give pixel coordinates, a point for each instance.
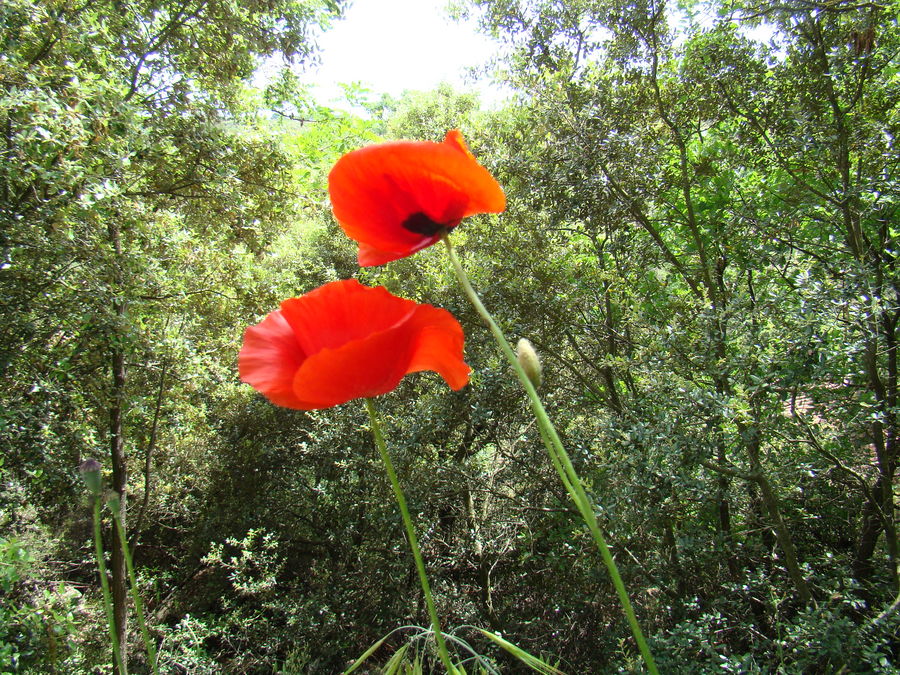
(118, 571)
(870, 531)
(119, 478)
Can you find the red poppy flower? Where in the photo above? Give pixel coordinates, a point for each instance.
(397, 198)
(344, 341)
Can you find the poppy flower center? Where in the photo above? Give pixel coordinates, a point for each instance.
(420, 223)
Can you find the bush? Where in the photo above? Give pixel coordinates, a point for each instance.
(37, 621)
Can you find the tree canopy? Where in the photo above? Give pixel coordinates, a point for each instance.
(700, 240)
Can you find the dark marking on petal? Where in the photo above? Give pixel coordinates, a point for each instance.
(422, 224)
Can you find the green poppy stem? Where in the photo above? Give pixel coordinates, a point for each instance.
(559, 457)
(135, 594)
(411, 533)
(104, 584)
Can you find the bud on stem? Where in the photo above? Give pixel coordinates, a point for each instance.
(90, 473)
(529, 361)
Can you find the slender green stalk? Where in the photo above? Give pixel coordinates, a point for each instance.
(135, 593)
(104, 584)
(411, 533)
(559, 457)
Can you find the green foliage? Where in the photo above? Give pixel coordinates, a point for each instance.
(688, 188)
(700, 243)
(38, 624)
(183, 648)
(253, 568)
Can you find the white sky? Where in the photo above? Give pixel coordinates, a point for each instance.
(392, 45)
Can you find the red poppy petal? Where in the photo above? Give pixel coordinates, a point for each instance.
(430, 339)
(369, 256)
(269, 359)
(360, 369)
(368, 206)
(345, 341)
(439, 347)
(376, 190)
(455, 140)
(342, 311)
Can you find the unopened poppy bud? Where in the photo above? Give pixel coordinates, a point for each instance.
(90, 473)
(529, 361)
(114, 503)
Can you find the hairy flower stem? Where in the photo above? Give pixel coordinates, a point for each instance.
(559, 457)
(135, 594)
(411, 533)
(104, 584)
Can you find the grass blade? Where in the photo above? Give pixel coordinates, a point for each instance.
(531, 661)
